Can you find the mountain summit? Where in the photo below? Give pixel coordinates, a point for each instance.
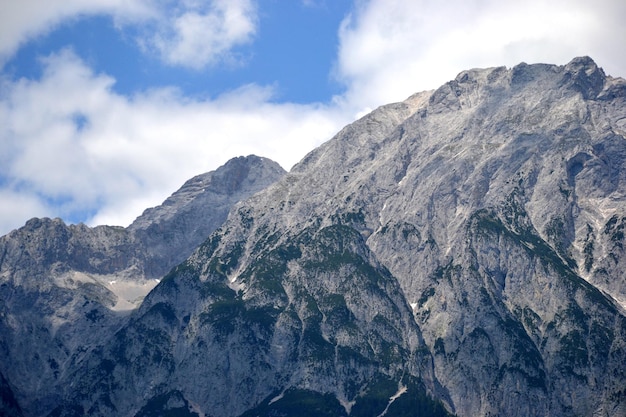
(461, 252)
(67, 288)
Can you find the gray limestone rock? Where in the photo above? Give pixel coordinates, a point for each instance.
(493, 208)
(461, 252)
(66, 289)
(170, 232)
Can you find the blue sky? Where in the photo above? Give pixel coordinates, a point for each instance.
(293, 48)
(108, 106)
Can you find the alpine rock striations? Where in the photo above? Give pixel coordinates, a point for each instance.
(67, 288)
(170, 232)
(461, 252)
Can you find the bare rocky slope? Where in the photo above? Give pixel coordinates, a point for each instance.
(67, 288)
(461, 252)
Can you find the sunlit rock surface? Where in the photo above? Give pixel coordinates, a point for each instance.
(459, 252)
(65, 289)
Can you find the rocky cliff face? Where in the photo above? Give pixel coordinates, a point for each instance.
(459, 252)
(170, 232)
(66, 289)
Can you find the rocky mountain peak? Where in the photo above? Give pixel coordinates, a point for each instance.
(67, 288)
(241, 175)
(583, 75)
(171, 231)
(460, 252)
(495, 202)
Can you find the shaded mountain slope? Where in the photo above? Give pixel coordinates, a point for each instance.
(461, 251)
(65, 289)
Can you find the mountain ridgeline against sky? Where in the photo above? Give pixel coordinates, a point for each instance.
(459, 253)
(66, 289)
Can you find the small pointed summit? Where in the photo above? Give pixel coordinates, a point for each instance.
(583, 75)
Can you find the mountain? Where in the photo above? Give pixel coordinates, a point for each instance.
(170, 232)
(461, 252)
(65, 289)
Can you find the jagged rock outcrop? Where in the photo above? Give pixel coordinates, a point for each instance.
(468, 239)
(462, 249)
(66, 289)
(170, 232)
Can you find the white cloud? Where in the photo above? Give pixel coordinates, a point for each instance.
(23, 20)
(187, 33)
(70, 144)
(17, 207)
(392, 48)
(204, 33)
(68, 139)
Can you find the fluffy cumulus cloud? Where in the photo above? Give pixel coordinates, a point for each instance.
(202, 33)
(188, 33)
(73, 147)
(23, 20)
(391, 48)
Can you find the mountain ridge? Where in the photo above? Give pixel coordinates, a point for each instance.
(66, 289)
(460, 252)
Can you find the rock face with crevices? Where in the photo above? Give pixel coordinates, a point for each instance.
(459, 253)
(66, 289)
